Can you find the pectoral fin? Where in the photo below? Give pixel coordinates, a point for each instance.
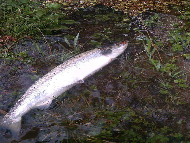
(45, 104)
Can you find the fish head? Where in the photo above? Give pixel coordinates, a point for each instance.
(115, 50)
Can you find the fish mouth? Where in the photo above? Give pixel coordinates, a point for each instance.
(116, 47)
(122, 43)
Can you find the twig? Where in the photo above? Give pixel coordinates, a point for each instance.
(50, 49)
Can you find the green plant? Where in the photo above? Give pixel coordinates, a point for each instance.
(74, 45)
(187, 56)
(181, 82)
(150, 52)
(24, 18)
(179, 40)
(171, 69)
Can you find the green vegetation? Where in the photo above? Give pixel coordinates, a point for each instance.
(24, 18)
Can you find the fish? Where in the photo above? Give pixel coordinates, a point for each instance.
(58, 80)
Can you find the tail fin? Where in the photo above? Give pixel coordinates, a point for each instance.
(12, 126)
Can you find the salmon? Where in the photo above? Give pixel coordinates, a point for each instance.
(59, 80)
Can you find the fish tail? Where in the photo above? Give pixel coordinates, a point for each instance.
(11, 126)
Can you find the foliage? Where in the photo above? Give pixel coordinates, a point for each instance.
(28, 18)
(180, 40)
(136, 129)
(76, 48)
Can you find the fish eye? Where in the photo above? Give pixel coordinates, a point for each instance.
(106, 51)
